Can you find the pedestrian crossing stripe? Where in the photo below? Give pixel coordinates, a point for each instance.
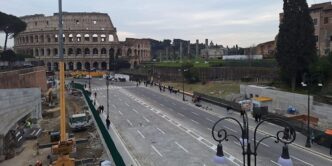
(105, 88)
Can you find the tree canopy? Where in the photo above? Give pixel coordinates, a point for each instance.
(296, 43)
(11, 26)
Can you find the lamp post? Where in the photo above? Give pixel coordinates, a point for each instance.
(183, 70)
(221, 134)
(308, 82)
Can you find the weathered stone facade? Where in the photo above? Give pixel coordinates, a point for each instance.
(90, 40)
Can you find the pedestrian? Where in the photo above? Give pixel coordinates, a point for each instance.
(259, 116)
(286, 133)
(256, 117)
(95, 94)
(312, 137)
(108, 122)
(84, 86)
(102, 108)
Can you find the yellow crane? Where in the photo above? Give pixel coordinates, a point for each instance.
(65, 145)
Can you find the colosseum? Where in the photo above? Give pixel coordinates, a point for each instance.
(90, 41)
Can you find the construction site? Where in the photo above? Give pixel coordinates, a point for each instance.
(88, 149)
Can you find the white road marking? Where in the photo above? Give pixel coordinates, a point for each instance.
(197, 137)
(155, 149)
(180, 114)
(129, 123)
(230, 129)
(275, 162)
(237, 143)
(127, 104)
(195, 121)
(161, 105)
(195, 113)
(140, 134)
(120, 113)
(114, 106)
(184, 149)
(146, 119)
(135, 111)
(210, 120)
(161, 130)
(261, 143)
(301, 160)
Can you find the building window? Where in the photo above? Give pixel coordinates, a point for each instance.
(103, 38)
(77, 22)
(94, 22)
(78, 37)
(46, 22)
(326, 20)
(316, 37)
(95, 38)
(87, 37)
(315, 21)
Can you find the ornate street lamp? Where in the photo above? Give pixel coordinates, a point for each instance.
(308, 82)
(285, 136)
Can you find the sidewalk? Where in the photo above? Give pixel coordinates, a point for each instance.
(219, 111)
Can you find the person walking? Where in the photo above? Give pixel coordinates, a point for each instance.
(108, 122)
(95, 94)
(102, 108)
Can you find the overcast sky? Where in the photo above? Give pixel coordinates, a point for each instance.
(226, 22)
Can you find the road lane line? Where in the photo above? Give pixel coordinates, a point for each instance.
(197, 137)
(195, 113)
(120, 113)
(146, 119)
(127, 104)
(230, 129)
(161, 130)
(184, 149)
(155, 149)
(261, 143)
(275, 162)
(301, 160)
(237, 143)
(129, 123)
(140, 134)
(195, 121)
(180, 114)
(210, 120)
(135, 111)
(173, 103)
(113, 106)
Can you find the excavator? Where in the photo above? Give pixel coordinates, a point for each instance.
(65, 146)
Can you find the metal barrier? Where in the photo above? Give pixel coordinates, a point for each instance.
(117, 158)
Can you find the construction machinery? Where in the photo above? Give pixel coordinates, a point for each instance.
(65, 145)
(79, 121)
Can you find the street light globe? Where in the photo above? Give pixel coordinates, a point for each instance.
(219, 158)
(285, 162)
(284, 159)
(244, 141)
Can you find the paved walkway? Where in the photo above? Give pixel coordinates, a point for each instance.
(316, 149)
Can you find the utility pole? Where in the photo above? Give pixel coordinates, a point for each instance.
(181, 51)
(197, 42)
(62, 79)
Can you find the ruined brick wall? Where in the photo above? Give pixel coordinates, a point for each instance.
(24, 78)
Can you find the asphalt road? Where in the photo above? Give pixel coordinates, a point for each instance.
(160, 129)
